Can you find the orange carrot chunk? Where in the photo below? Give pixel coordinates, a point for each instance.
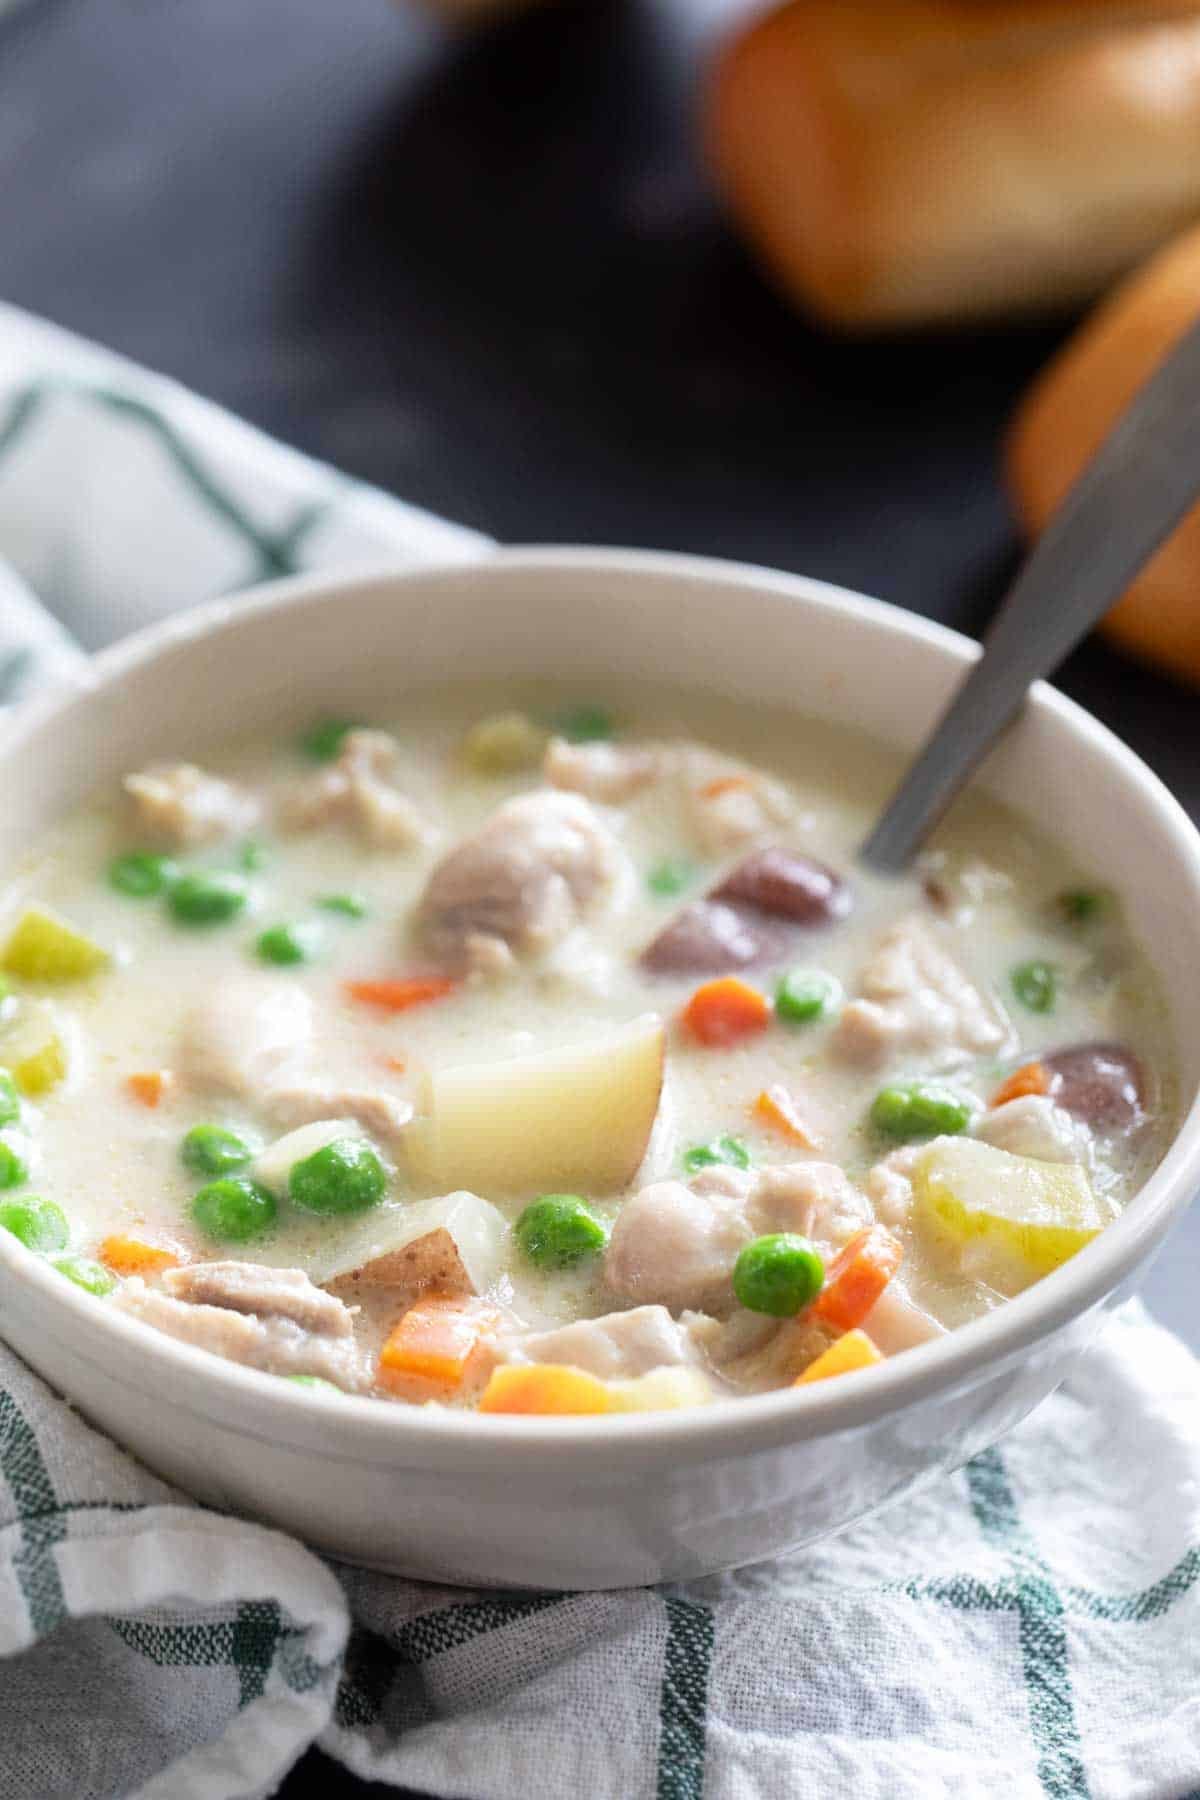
(1030, 1078)
(130, 1256)
(401, 994)
(853, 1351)
(150, 1086)
(776, 1109)
(857, 1276)
(543, 1388)
(723, 1012)
(434, 1348)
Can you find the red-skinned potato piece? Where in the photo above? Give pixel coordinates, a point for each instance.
(752, 916)
(1101, 1084)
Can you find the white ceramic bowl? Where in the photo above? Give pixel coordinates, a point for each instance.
(580, 1502)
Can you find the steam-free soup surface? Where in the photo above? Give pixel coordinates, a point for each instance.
(552, 1053)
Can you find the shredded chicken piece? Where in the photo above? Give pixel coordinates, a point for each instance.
(896, 1322)
(1034, 1126)
(915, 998)
(889, 1184)
(609, 773)
(676, 1244)
(381, 1115)
(542, 863)
(265, 1292)
(181, 806)
(360, 789)
(730, 804)
(618, 1346)
(274, 1341)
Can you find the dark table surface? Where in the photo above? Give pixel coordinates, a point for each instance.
(488, 274)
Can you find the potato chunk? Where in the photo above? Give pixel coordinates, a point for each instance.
(1007, 1219)
(566, 1120)
(455, 1244)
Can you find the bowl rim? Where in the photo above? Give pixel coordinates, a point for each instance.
(359, 1427)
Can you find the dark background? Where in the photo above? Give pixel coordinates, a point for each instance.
(487, 274)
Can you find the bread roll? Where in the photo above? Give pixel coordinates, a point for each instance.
(911, 161)
(1074, 404)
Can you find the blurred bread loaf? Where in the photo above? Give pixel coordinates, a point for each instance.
(898, 162)
(1071, 408)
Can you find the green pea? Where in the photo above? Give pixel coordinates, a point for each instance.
(140, 874)
(584, 724)
(13, 1167)
(558, 1231)
(314, 1381)
(779, 1275)
(1079, 906)
(729, 1150)
(211, 898)
(252, 856)
(669, 877)
(287, 944)
(1035, 985)
(10, 1100)
(805, 995)
(213, 1150)
(351, 906)
(324, 740)
(39, 1224)
(343, 1177)
(92, 1277)
(233, 1209)
(920, 1109)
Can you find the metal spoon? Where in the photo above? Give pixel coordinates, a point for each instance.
(1136, 488)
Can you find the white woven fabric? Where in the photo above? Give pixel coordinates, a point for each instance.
(1027, 1628)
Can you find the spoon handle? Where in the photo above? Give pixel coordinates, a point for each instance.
(1137, 487)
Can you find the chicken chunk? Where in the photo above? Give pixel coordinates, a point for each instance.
(609, 773)
(730, 804)
(1034, 1125)
(248, 1036)
(361, 790)
(676, 1243)
(274, 1338)
(889, 1184)
(542, 863)
(380, 1114)
(914, 997)
(265, 1292)
(896, 1322)
(619, 1346)
(180, 806)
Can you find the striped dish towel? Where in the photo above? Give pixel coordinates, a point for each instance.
(1028, 1627)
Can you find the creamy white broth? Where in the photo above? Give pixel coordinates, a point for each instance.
(114, 1165)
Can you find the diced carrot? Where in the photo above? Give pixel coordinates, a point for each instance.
(397, 1064)
(433, 1349)
(857, 1276)
(724, 784)
(544, 1388)
(401, 994)
(151, 1086)
(1030, 1078)
(130, 1256)
(852, 1351)
(721, 1013)
(776, 1108)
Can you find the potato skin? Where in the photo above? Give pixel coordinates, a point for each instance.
(1071, 408)
(919, 161)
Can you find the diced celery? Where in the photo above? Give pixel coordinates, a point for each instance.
(44, 947)
(1006, 1219)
